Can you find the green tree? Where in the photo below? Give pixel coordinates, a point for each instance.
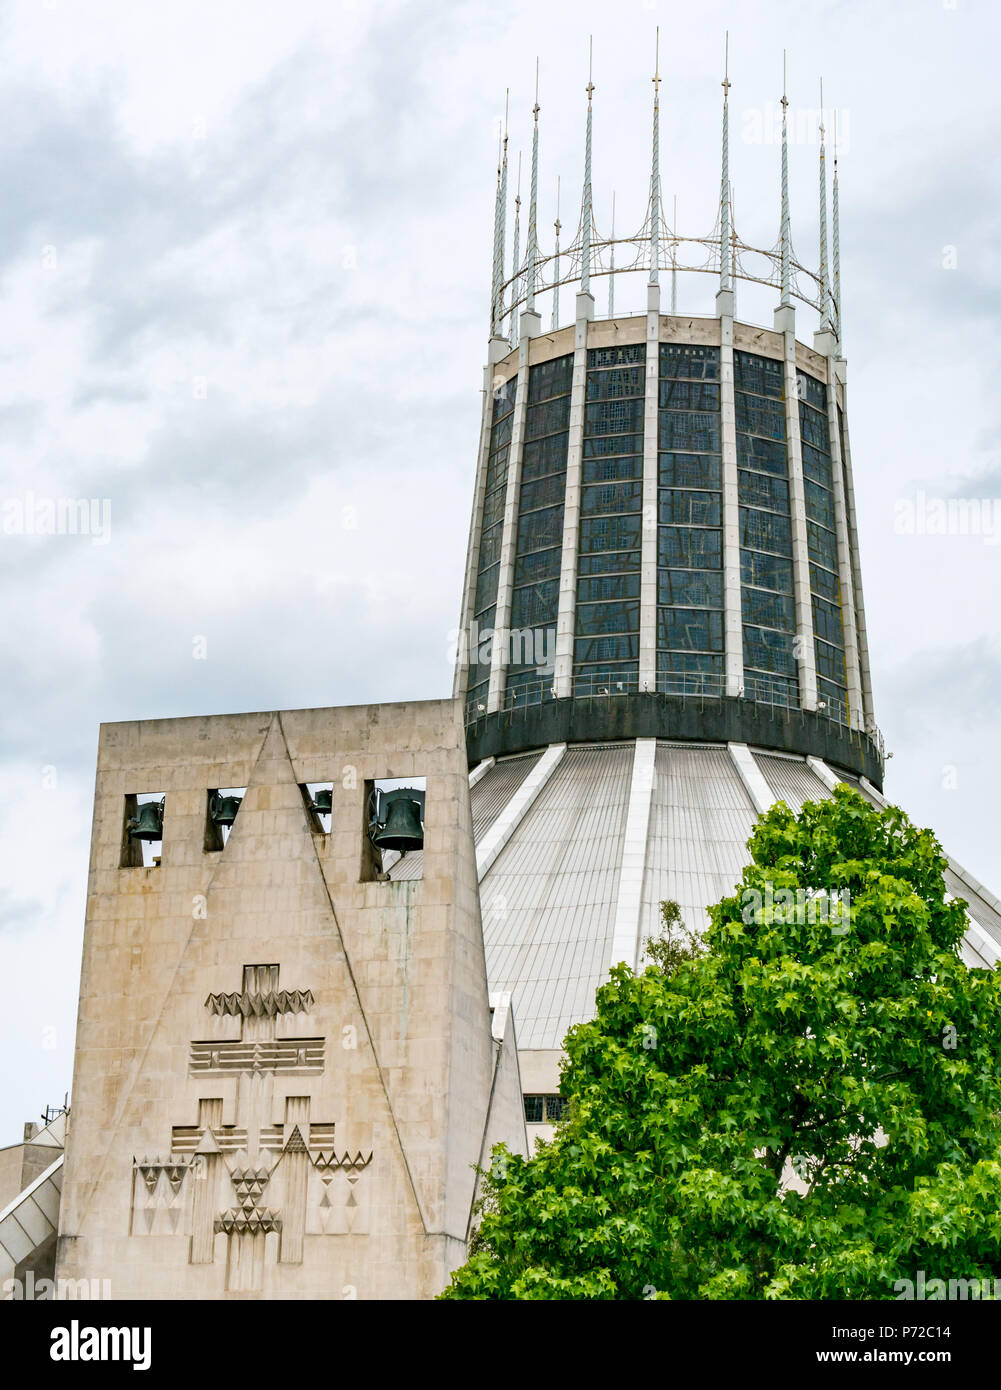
(810, 1108)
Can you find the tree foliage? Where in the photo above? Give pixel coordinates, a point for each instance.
(810, 1107)
(676, 943)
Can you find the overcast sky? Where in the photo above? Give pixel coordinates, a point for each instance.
(244, 282)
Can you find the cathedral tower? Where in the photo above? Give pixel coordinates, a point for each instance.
(662, 627)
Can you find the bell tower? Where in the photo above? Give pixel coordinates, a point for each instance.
(287, 1068)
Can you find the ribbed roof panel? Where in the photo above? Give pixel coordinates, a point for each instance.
(495, 789)
(791, 780)
(700, 821)
(549, 899)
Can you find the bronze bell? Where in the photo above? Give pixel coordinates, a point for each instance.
(223, 809)
(323, 801)
(147, 823)
(399, 820)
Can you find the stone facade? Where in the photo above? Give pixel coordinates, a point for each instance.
(286, 1070)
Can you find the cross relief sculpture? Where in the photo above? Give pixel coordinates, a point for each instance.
(264, 1185)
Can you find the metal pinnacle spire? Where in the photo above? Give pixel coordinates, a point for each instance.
(556, 275)
(825, 317)
(655, 172)
(500, 210)
(724, 195)
(585, 275)
(674, 258)
(516, 267)
(533, 205)
(836, 240)
(785, 233)
(611, 272)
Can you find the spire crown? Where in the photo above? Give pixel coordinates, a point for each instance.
(588, 254)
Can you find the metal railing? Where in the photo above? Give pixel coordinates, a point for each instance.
(773, 695)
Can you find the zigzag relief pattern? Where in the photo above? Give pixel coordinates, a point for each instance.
(309, 1187)
(255, 1221)
(248, 1005)
(150, 1172)
(158, 1201)
(338, 1202)
(249, 1217)
(162, 1197)
(249, 1183)
(350, 1165)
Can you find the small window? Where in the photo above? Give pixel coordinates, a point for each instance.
(142, 830)
(535, 1110)
(222, 805)
(544, 1110)
(394, 828)
(318, 798)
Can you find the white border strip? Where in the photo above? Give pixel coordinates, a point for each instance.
(820, 769)
(752, 777)
(480, 770)
(514, 812)
(626, 931)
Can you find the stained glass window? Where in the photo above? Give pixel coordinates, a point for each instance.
(606, 643)
(765, 524)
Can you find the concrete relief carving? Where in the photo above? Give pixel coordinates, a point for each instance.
(261, 1184)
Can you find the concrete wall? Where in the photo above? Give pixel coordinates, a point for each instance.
(540, 1076)
(11, 1167)
(310, 1135)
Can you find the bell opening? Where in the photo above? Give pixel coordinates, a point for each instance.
(394, 813)
(222, 805)
(142, 830)
(318, 798)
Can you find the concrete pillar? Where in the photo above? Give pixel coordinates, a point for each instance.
(566, 617)
(828, 343)
(498, 349)
(206, 1191)
(806, 652)
(296, 1164)
(865, 675)
(531, 326)
(651, 471)
(732, 626)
